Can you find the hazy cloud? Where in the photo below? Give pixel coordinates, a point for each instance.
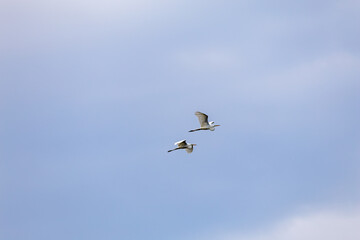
(208, 58)
(323, 75)
(330, 225)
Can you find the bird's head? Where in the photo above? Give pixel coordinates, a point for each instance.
(211, 123)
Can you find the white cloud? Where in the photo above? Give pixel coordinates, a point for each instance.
(90, 8)
(329, 225)
(40, 23)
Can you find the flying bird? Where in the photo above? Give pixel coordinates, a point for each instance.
(204, 124)
(183, 145)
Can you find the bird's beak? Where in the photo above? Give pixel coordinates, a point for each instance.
(194, 144)
(217, 125)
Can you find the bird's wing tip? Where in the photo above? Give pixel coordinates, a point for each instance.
(179, 142)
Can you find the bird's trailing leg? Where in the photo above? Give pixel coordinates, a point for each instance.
(197, 130)
(176, 149)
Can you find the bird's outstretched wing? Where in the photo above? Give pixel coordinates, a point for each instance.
(181, 143)
(203, 119)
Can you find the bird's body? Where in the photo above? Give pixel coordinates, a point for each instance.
(204, 124)
(183, 145)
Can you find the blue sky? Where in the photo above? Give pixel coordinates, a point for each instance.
(94, 93)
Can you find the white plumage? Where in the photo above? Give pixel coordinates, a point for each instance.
(183, 145)
(204, 123)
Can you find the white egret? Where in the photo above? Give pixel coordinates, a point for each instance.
(204, 124)
(183, 145)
